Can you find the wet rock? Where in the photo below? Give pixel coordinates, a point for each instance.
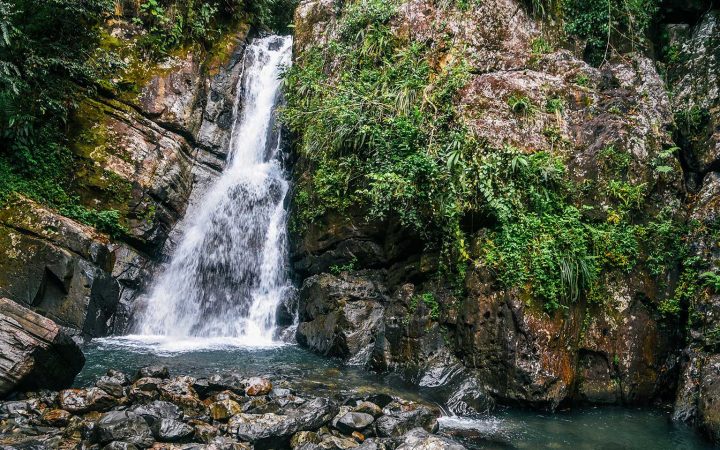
(330, 442)
(114, 386)
(123, 426)
(377, 444)
(118, 445)
(258, 386)
(204, 432)
(222, 410)
(179, 391)
(34, 352)
(161, 372)
(339, 315)
(170, 430)
(145, 389)
(18, 407)
(400, 419)
(301, 438)
(157, 410)
(226, 443)
(369, 408)
(268, 430)
(56, 417)
(227, 382)
(85, 400)
(420, 439)
(353, 421)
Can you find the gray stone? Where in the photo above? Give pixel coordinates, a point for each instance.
(158, 409)
(161, 372)
(420, 439)
(353, 421)
(170, 430)
(123, 426)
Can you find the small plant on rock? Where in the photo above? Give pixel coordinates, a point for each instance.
(521, 105)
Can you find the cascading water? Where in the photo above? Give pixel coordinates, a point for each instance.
(228, 274)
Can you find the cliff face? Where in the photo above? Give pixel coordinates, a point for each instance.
(371, 292)
(141, 153)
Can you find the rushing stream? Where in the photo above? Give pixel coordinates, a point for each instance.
(213, 308)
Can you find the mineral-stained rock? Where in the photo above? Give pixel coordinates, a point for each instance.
(84, 400)
(56, 417)
(224, 409)
(204, 432)
(123, 426)
(419, 439)
(257, 386)
(304, 437)
(146, 389)
(34, 352)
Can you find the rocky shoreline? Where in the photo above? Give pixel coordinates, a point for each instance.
(223, 411)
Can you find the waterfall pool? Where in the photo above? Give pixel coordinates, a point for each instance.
(580, 428)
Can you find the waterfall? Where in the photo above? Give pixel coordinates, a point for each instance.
(228, 274)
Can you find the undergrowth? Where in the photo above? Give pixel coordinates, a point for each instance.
(378, 131)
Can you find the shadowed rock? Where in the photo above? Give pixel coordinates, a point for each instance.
(34, 352)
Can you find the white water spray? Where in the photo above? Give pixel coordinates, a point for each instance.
(228, 274)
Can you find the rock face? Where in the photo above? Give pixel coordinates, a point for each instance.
(362, 297)
(694, 80)
(282, 419)
(34, 352)
(146, 155)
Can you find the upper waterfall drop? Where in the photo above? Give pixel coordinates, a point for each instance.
(229, 272)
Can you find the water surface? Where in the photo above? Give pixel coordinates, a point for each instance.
(584, 428)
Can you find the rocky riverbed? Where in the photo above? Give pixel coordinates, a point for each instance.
(154, 409)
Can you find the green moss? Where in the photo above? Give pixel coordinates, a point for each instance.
(430, 302)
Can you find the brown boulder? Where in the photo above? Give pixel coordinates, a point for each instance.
(35, 352)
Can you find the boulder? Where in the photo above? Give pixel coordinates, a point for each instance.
(271, 430)
(399, 419)
(340, 315)
(113, 383)
(35, 352)
(369, 408)
(118, 445)
(85, 400)
(56, 417)
(420, 439)
(222, 410)
(161, 372)
(123, 426)
(353, 421)
(157, 410)
(257, 386)
(171, 430)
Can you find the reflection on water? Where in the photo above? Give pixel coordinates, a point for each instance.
(605, 428)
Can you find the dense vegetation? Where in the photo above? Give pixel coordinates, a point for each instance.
(52, 55)
(383, 136)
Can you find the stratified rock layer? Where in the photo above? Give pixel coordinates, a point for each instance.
(34, 352)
